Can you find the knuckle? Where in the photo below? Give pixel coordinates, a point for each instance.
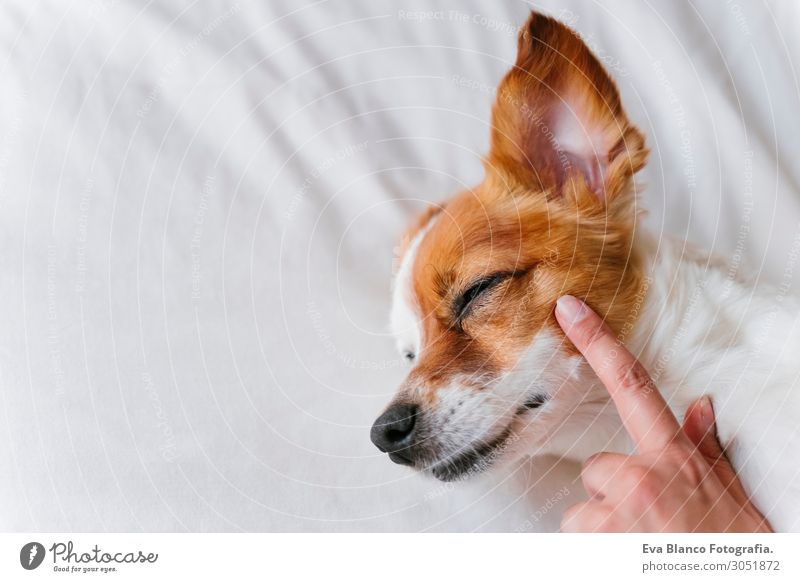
(648, 492)
(593, 466)
(641, 482)
(634, 378)
(587, 333)
(592, 459)
(684, 459)
(695, 473)
(681, 450)
(694, 468)
(587, 472)
(635, 474)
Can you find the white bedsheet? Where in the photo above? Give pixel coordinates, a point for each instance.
(198, 207)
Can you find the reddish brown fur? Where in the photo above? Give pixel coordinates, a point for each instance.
(555, 67)
(532, 218)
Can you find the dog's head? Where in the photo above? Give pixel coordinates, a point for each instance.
(478, 277)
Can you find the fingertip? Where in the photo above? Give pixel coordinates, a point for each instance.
(704, 414)
(698, 423)
(570, 310)
(706, 411)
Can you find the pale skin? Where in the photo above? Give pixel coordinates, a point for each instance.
(679, 480)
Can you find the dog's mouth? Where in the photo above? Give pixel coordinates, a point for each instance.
(473, 460)
(482, 456)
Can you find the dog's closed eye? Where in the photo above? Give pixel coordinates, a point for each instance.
(468, 298)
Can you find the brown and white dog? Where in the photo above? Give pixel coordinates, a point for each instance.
(492, 374)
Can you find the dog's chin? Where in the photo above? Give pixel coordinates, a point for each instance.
(476, 458)
(472, 460)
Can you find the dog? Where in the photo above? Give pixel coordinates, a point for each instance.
(492, 377)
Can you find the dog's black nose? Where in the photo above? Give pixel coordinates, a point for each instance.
(393, 432)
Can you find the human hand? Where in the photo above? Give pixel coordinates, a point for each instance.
(679, 480)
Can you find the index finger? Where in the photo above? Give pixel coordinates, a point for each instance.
(643, 410)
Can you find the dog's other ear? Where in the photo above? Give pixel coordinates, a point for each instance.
(557, 123)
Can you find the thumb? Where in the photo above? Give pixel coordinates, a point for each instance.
(701, 428)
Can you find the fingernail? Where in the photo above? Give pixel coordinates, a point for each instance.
(706, 411)
(570, 310)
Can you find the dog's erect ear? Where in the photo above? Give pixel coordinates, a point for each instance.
(557, 124)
